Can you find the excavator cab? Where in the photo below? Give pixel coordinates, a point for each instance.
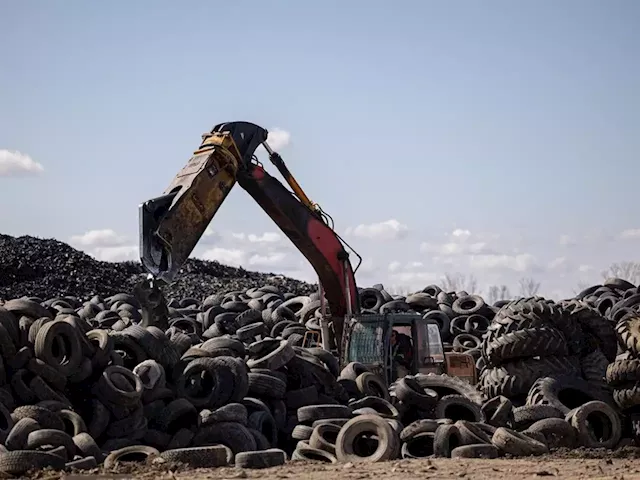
(397, 344)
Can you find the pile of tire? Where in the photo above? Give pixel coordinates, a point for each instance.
(543, 366)
(531, 338)
(86, 383)
(423, 416)
(621, 303)
(463, 318)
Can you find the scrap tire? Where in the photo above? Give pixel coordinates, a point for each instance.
(271, 457)
(623, 372)
(199, 457)
(516, 378)
(555, 390)
(530, 342)
(445, 385)
(388, 441)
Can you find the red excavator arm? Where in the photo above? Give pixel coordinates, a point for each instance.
(171, 225)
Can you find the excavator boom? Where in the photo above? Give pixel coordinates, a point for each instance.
(171, 225)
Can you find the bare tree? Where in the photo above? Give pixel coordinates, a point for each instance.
(498, 292)
(629, 271)
(528, 287)
(455, 282)
(582, 285)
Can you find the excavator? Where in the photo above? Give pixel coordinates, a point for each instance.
(172, 224)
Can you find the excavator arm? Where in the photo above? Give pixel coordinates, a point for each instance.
(172, 224)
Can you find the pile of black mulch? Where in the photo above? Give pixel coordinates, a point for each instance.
(48, 268)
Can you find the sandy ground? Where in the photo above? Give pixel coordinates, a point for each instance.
(570, 465)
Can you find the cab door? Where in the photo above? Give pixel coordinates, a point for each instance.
(429, 352)
(366, 341)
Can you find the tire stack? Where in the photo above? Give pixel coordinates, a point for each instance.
(623, 375)
(90, 380)
(532, 338)
(526, 341)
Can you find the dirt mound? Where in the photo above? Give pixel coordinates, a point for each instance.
(47, 268)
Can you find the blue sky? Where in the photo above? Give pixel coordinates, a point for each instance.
(497, 138)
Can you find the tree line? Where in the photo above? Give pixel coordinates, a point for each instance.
(527, 286)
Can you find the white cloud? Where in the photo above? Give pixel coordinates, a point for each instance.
(557, 263)
(270, 260)
(630, 234)
(585, 268)
(116, 254)
(211, 236)
(566, 240)
(106, 245)
(388, 230)
(459, 233)
(14, 164)
(454, 248)
(228, 256)
(518, 263)
(278, 138)
(99, 238)
(394, 266)
(268, 237)
(460, 242)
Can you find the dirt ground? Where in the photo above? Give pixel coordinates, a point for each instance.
(577, 464)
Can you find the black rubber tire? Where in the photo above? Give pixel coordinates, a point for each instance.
(110, 392)
(271, 457)
(304, 452)
(233, 435)
(627, 398)
(419, 446)
(17, 437)
(302, 432)
(457, 407)
(476, 451)
(472, 433)
(371, 384)
(527, 415)
(597, 425)
(65, 333)
(199, 457)
(86, 446)
(516, 378)
(558, 432)
(388, 447)
(564, 393)
(19, 462)
(468, 305)
(446, 439)
(465, 342)
(445, 385)
(311, 413)
(530, 342)
(323, 437)
(517, 444)
(275, 359)
(353, 370)
(409, 392)
(498, 411)
(133, 453)
(266, 386)
(48, 436)
(623, 372)
(594, 368)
